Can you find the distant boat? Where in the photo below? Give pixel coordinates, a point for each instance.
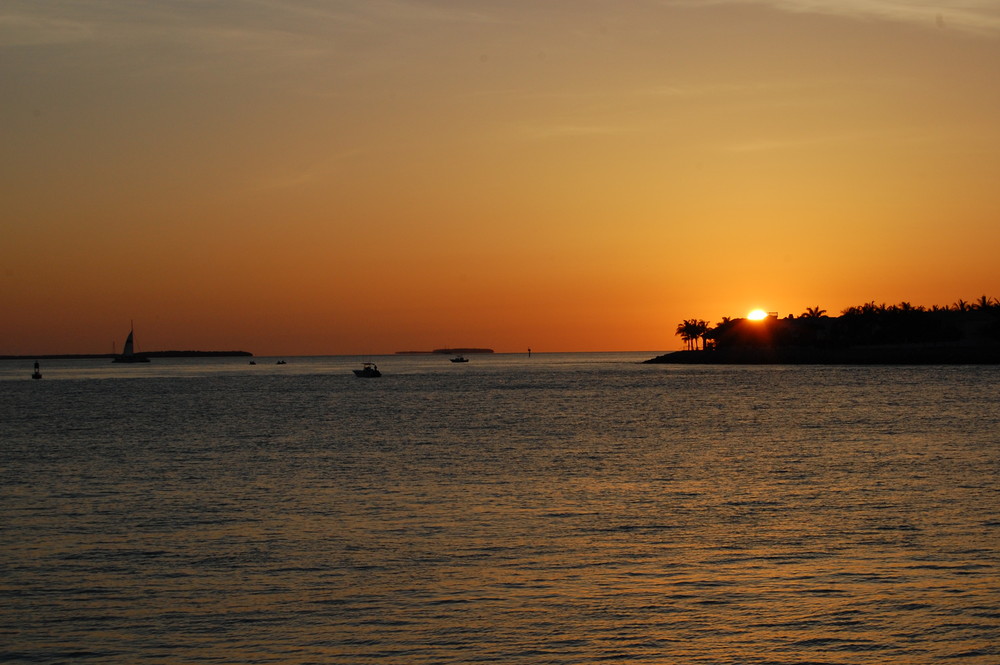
(37, 374)
(368, 371)
(459, 359)
(281, 362)
(128, 354)
(252, 362)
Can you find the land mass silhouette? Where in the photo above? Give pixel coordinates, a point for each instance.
(450, 351)
(903, 334)
(147, 354)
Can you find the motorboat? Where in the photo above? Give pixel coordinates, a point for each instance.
(368, 371)
(459, 359)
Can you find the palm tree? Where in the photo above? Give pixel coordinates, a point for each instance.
(909, 307)
(684, 332)
(690, 331)
(700, 329)
(871, 308)
(984, 302)
(813, 313)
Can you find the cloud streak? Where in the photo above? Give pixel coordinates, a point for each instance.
(29, 28)
(26, 22)
(976, 16)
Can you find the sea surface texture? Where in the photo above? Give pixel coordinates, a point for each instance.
(562, 509)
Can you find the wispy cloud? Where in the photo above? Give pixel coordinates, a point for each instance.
(226, 22)
(979, 16)
(294, 177)
(556, 131)
(30, 22)
(775, 144)
(436, 12)
(30, 28)
(903, 136)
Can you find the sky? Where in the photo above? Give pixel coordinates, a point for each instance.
(311, 177)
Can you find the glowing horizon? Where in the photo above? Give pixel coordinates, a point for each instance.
(308, 178)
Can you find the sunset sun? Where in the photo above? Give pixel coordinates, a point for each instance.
(757, 315)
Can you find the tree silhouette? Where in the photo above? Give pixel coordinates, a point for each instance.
(690, 331)
(813, 313)
(867, 325)
(701, 329)
(984, 303)
(684, 332)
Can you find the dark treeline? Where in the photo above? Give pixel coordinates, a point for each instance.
(961, 324)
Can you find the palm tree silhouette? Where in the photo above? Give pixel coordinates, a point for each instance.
(700, 330)
(690, 331)
(684, 332)
(984, 302)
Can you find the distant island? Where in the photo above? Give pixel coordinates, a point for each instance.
(147, 354)
(903, 334)
(454, 351)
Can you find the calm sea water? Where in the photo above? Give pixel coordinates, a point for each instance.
(558, 509)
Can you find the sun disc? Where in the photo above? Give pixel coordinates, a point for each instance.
(757, 315)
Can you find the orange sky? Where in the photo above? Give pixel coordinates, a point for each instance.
(319, 177)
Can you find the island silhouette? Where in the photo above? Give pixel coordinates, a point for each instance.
(448, 351)
(962, 333)
(144, 354)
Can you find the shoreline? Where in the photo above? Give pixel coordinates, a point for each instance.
(145, 354)
(451, 351)
(873, 355)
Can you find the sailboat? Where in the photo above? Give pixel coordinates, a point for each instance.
(128, 354)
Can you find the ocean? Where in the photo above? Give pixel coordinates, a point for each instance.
(558, 509)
